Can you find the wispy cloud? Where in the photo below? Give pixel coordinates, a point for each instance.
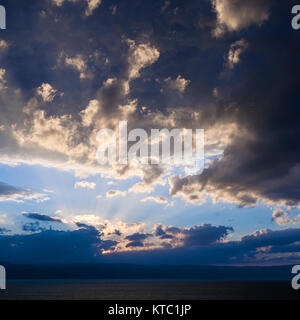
(155, 199)
(115, 193)
(85, 185)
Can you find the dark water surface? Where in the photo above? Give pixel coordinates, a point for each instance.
(145, 290)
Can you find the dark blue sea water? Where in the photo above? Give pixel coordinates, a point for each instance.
(145, 290)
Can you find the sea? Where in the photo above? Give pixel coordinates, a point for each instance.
(147, 290)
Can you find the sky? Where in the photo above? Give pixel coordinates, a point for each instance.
(69, 68)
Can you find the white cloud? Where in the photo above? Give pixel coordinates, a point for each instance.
(89, 113)
(78, 64)
(155, 199)
(91, 4)
(140, 56)
(25, 196)
(59, 2)
(115, 193)
(47, 92)
(280, 217)
(3, 44)
(89, 219)
(3, 218)
(179, 84)
(297, 219)
(236, 49)
(67, 141)
(234, 15)
(141, 187)
(2, 79)
(85, 184)
(50, 133)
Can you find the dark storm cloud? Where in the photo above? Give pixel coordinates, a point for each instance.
(6, 189)
(12, 193)
(161, 230)
(42, 217)
(3, 231)
(263, 247)
(161, 233)
(33, 227)
(182, 33)
(116, 232)
(76, 55)
(261, 94)
(135, 244)
(205, 235)
(37, 56)
(52, 247)
(85, 226)
(110, 97)
(196, 236)
(85, 245)
(272, 238)
(108, 244)
(42, 35)
(138, 237)
(137, 240)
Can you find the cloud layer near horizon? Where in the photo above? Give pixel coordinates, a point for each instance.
(197, 245)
